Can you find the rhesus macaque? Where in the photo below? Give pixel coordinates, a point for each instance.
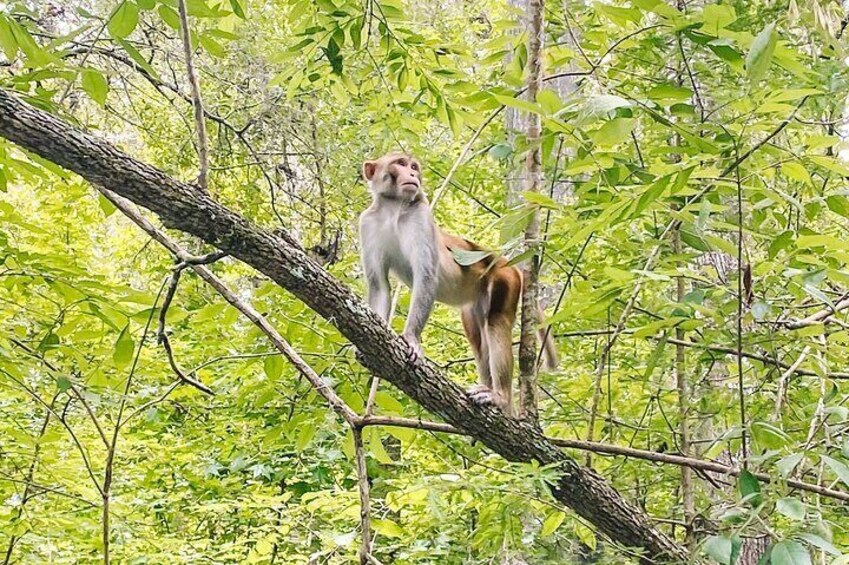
(398, 234)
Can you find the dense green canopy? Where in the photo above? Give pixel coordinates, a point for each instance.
(694, 211)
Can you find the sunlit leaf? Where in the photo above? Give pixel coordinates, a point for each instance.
(760, 55)
(123, 20)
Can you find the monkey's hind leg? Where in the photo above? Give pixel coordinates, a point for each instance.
(474, 326)
(503, 295)
(499, 335)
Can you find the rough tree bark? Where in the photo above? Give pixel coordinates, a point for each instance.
(528, 367)
(279, 257)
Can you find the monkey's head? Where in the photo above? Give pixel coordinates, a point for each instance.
(396, 176)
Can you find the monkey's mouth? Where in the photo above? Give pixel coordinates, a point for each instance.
(410, 185)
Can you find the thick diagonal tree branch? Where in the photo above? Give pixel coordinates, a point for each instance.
(189, 209)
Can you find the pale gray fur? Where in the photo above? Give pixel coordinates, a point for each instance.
(400, 236)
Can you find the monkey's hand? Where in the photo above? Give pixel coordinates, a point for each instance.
(415, 355)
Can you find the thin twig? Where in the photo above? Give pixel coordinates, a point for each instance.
(608, 449)
(782, 382)
(740, 297)
(200, 124)
(365, 505)
(162, 334)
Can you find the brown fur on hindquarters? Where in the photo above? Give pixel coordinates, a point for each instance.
(398, 234)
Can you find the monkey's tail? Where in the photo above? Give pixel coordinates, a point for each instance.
(550, 360)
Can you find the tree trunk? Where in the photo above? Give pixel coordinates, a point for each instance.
(190, 209)
(533, 179)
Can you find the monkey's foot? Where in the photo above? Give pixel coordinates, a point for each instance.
(483, 395)
(415, 354)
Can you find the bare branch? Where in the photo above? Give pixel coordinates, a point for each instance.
(162, 335)
(617, 450)
(365, 504)
(197, 101)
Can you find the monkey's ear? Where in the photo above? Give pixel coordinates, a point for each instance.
(369, 168)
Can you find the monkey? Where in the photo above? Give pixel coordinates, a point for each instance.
(398, 234)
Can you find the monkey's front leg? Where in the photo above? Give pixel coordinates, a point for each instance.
(425, 282)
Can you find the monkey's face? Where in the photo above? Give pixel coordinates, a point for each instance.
(395, 175)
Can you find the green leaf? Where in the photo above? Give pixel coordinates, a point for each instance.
(169, 16)
(388, 403)
(820, 543)
(785, 465)
(105, 205)
(719, 548)
(717, 17)
(500, 151)
(832, 164)
(237, 8)
(838, 204)
(552, 522)
(760, 55)
(35, 55)
(791, 507)
(818, 240)
(681, 180)
(95, 86)
(749, 487)
(200, 9)
(651, 194)
(540, 200)
(695, 241)
(789, 552)
(669, 92)
(306, 431)
(7, 39)
(603, 104)
(137, 57)
(514, 223)
(273, 367)
(50, 341)
(122, 354)
(586, 535)
(549, 101)
(767, 435)
(796, 171)
(212, 47)
(376, 448)
(464, 257)
(614, 131)
(656, 355)
(388, 528)
(840, 469)
(519, 104)
(63, 384)
(760, 310)
(124, 20)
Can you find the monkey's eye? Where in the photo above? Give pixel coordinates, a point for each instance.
(415, 166)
